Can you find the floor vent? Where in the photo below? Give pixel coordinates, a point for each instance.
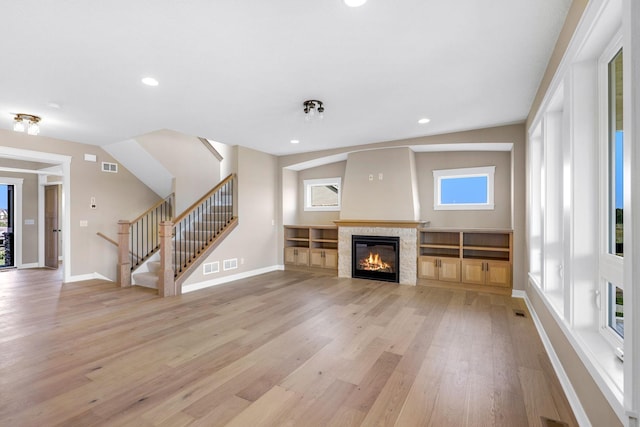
(519, 313)
(548, 422)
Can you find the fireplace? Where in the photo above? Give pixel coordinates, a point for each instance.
(376, 257)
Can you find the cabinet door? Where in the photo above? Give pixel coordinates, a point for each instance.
(303, 256)
(290, 255)
(473, 271)
(330, 258)
(449, 270)
(498, 273)
(427, 267)
(315, 258)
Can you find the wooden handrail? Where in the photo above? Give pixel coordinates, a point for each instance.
(151, 208)
(113, 242)
(202, 199)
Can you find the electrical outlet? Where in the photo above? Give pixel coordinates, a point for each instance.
(370, 177)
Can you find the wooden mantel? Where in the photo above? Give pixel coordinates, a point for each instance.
(379, 223)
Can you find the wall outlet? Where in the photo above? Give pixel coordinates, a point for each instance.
(370, 177)
(92, 203)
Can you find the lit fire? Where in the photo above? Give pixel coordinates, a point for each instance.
(374, 263)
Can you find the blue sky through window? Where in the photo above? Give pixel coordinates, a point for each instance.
(619, 167)
(3, 196)
(464, 190)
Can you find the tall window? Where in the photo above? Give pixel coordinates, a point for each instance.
(616, 157)
(463, 189)
(611, 265)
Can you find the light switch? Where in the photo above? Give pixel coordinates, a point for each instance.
(84, 223)
(380, 176)
(29, 221)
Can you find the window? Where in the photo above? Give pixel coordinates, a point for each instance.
(616, 156)
(615, 309)
(322, 194)
(463, 189)
(612, 246)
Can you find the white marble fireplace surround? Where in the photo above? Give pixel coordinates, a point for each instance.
(406, 230)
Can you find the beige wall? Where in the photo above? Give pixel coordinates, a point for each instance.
(118, 196)
(332, 170)
(196, 169)
(254, 241)
(379, 185)
(514, 134)
(500, 217)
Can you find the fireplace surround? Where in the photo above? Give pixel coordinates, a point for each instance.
(405, 230)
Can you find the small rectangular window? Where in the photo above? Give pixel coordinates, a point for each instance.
(464, 189)
(322, 194)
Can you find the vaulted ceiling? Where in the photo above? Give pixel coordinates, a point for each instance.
(238, 71)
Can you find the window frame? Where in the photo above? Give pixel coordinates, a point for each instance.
(309, 183)
(611, 265)
(483, 171)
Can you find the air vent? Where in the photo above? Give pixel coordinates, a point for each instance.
(109, 167)
(230, 264)
(210, 267)
(519, 313)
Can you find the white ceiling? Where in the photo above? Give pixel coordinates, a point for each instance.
(238, 71)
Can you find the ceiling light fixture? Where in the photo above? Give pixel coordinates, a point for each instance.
(424, 121)
(150, 81)
(310, 108)
(354, 3)
(295, 141)
(27, 122)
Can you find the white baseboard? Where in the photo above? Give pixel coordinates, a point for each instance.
(90, 276)
(515, 293)
(214, 282)
(29, 265)
(565, 383)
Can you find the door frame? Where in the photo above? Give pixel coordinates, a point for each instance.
(63, 169)
(17, 217)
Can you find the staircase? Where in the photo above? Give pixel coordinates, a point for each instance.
(187, 240)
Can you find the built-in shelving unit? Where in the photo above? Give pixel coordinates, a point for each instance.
(311, 246)
(476, 257)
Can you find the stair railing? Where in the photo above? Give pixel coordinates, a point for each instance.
(195, 233)
(139, 239)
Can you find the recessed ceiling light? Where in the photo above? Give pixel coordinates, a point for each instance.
(53, 105)
(424, 121)
(295, 141)
(354, 3)
(150, 81)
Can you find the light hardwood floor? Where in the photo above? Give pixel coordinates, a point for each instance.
(282, 349)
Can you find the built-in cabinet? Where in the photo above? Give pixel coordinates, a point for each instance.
(473, 257)
(311, 246)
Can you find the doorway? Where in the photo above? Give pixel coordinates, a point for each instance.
(51, 226)
(7, 202)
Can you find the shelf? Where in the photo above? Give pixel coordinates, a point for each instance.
(298, 239)
(325, 240)
(440, 246)
(486, 248)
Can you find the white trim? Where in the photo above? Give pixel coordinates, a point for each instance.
(337, 181)
(567, 387)
(29, 265)
(209, 283)
(90, 276)
(516, 293)
(484, 171)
